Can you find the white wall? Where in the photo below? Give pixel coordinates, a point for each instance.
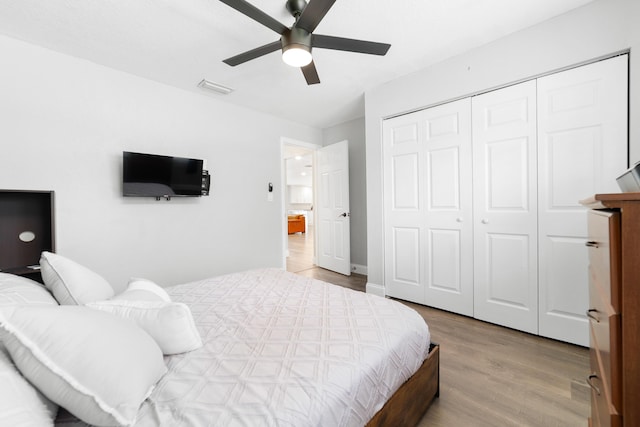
(64, 123)
(353, 131)
(595, 30)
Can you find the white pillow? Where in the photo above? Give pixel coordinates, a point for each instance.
(16, 290)
(169, 323)
(143, 290)
(20, 403)
(97, 366)
(72, 283)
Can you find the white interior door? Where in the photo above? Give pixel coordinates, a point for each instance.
(428, 207)
(505, 207)
(403, 168)
(449, 207)
(333, 215)
(582, 143)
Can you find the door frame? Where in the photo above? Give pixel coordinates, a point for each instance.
(285, 141)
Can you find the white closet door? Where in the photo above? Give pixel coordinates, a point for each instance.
(428, 207)
(449, 207)
(505, 207)
(404, 207)
(582, 143)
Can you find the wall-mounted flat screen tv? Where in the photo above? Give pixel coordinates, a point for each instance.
(152, 175)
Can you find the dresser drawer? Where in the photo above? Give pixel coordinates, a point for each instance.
(603, 413)
(605, 347)
(604, 244)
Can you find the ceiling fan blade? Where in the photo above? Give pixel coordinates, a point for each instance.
(256, 14)
(310, 73)
(313, 14)
(350, 45)
(253, 53)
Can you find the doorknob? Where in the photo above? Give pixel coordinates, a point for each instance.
(458, 219)
(485, 221)
(344, 214)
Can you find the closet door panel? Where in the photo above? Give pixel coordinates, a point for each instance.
(404, 207)
(405, 186)
(406, 251)
(448, 216)
(444, 261)
(563, 300)
(505, 207)
(571, 158)
(507, 257)
(444, 179)
(507, 176)
(428, 207)
(582, 143)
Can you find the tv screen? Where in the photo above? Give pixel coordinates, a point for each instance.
(152, 175)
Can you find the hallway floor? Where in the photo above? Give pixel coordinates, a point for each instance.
(300, 261)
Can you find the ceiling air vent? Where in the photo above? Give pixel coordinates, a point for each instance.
(214, 87)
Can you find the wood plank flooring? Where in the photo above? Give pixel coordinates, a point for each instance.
(489, 375)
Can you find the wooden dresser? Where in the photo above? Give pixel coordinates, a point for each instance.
(614, 308)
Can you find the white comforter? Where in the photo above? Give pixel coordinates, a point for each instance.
(285, 350)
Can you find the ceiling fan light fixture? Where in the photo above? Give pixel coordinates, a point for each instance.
(296, 55)
(296, 47)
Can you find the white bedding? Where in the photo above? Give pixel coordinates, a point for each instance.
(285, 350)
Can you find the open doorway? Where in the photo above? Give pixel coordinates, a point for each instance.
(298, 200)
(316, 207)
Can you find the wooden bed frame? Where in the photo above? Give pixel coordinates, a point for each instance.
(409, 403)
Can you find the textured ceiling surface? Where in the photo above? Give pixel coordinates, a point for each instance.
(180, 42)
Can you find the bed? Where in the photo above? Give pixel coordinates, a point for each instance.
(279, 349)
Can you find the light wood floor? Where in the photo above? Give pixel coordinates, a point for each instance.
(489, 375)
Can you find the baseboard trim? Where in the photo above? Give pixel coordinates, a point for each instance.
(375, 289)
(359, 269)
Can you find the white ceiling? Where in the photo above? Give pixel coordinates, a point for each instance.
(300, 170)
(180, 42)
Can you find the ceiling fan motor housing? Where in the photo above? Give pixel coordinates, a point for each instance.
(295, 7)
(296, 38)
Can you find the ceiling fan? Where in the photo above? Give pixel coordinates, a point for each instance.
(296, 42)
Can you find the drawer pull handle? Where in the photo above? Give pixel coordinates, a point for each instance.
(590, 382)
(591, 315)
(591, 244)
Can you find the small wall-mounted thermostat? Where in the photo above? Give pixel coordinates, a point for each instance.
(270, 193)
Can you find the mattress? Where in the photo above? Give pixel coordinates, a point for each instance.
(285, 350)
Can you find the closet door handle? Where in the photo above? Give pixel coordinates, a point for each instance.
(591, 244)
(484, 221)
(591, 314)
(590, 379)
(458, 219)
